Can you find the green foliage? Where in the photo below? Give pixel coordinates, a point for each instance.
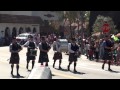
(97, 27)
(71, 15)
(87, 16)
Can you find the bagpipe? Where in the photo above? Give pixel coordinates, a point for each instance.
(78, 54)
(33, 52)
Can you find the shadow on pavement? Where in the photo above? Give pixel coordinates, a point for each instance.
(113, 71)
(66, 70)
(78, 72)
(61, 69)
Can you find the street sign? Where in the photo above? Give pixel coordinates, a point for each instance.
(106, 28)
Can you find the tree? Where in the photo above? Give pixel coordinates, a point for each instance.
(97, 27)
(71, 16)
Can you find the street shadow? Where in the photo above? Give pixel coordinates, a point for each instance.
(15, 76)
(62, 69)
(81, 73)
(113, 71)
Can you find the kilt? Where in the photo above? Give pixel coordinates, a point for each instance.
(57, 55)
(107, 55)
(14, 59)
(43, 58)
(72, 57)
(30, 57)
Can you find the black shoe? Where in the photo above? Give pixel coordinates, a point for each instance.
(60, 68)
(110, 69)
(75, 71)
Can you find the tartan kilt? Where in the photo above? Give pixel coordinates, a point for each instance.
(14, 59)
(72, 57)
(57, 55)
(107, 55)
(30, 57)
(43, 57)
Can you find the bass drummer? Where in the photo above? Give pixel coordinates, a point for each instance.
(31, 47)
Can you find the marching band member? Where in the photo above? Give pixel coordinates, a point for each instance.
(31, 45)
(44, 49)
(15, 48)
(73, 49)
(57, 54)
(108, 48)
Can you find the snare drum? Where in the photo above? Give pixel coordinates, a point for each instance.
(33, 52)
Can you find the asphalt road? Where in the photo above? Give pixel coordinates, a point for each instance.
(86, 69)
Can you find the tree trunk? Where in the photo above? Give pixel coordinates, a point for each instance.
(71, 30)
(82, 33)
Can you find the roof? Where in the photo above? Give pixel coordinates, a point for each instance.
(7, 18)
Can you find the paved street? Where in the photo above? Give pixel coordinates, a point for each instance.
(86, 69)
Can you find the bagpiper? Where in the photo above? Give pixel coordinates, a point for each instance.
(73, 49)
(15, 48)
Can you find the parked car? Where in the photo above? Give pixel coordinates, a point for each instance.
(22, 38)
(63, 45)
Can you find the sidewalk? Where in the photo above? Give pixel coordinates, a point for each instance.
(99, 61)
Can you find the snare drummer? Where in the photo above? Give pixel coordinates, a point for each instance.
(30, 44)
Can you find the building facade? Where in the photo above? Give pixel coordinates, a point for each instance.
(13, 23)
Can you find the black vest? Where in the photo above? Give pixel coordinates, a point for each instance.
(45, 46)
(16, 47)
(74, 48)
(108, 44)
(32, 45)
